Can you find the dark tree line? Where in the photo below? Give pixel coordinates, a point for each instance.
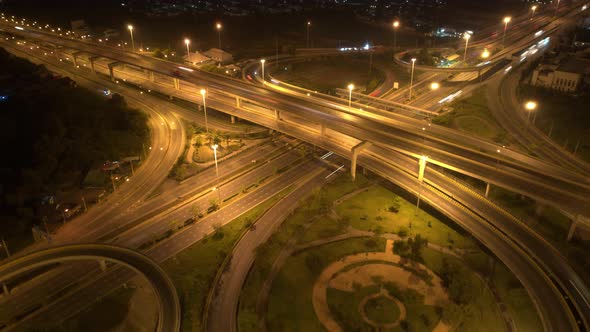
(52, 134)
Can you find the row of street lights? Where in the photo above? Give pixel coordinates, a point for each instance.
(187, 41)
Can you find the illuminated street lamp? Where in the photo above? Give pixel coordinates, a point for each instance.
(466, 36)
(307, 40)
(533, 8)
(395, 26)
(412, 77)
(350, 88)
(262, 61)
(530, 106)
(203, 93)
(434, 86)
(130, 27)
(218, 26)
(485, 54)
(507, 20)
(188, 52)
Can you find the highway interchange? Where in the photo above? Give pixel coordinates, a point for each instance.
(392, 156)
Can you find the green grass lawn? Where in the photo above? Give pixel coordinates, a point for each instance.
(550, 224)
(194, 269)
(481, 310)
(520, 306)
(369, 211)
(296, 279)
(381, 310)
(291, 227)
(344, 307)
(330, 73)
(565, 113)
(473, 115)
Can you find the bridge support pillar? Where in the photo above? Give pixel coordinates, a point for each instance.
(323, 130)
(151, 76)
(355, 151)
(5, 289)
(422, 169)
(112, 66)
(238, 102)
(233, 119)
(75, 58)
(277, 115)
(92, 59)
(572, 230)
(56, 53)
(176, 83)
(487, 189)
(103, 265)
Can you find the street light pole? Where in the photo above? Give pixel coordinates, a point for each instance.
(507, 20)
(5, 248)
(395, 26)
(350, 88)
(215, 146)
(188, 51)
(466, 36)
(203, 93)
(130, 27)
(262, 61)
(307, 39)
(219, 35)
(412, 78)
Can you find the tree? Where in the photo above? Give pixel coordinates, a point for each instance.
(196, 211)
(416, 245)
(226, 136)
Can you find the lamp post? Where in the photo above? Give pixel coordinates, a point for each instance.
(130, 27)
(395, 26)
(466, 36)
(262, 61)
(218, 26)
(203, 93)
(214, 147)
(307, 38)
(533, 8)
(412, 78)
(188, 51)
(350, 88)
(507, 20)
(485, 54)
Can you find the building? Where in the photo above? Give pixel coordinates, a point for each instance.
(565, 77)
(219, 56)
(197, 58)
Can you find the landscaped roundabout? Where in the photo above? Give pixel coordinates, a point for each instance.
(388, 290)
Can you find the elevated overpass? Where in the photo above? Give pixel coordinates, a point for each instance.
(339, 128)
(481, 159)
(165, 293)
